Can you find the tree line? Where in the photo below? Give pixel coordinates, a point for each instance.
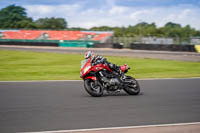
(143, 29)
(15, 17)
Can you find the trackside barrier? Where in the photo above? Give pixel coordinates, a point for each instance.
(96, 44)
(22, 40)
(162, 47)
(57, 43)
(18, 43)
(87, 44)
(108, 45)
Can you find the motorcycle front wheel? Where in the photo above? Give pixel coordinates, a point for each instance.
(93, 88)
(133, 87)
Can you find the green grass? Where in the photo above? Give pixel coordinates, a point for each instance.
(21, 65)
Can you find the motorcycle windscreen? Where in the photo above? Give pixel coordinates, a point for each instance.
(83, 62)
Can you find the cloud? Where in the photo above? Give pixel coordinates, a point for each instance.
(110, 14)
(118, 10)
(38, 11)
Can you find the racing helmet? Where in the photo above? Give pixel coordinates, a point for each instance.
(89, 54)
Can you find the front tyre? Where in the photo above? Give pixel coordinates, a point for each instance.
(132, 86)
(93, 88)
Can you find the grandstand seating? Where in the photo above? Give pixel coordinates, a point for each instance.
(101, 36)
(55, 35)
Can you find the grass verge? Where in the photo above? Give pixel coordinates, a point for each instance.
(22, 65)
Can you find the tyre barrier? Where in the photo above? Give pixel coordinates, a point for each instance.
(54, 44)
(162, 47)
(117, 45)
(108, 45)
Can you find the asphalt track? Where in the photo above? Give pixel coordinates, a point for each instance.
(64, 105)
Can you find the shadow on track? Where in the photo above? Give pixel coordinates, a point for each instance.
(120, 94)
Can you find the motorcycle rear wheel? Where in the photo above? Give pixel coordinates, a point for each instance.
(133, 88)
(93, 88)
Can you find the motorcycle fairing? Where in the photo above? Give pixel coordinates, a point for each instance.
(91, 77)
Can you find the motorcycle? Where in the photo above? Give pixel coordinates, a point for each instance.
(99, 78)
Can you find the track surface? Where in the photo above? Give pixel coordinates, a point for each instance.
(166, 55)
(63, 105)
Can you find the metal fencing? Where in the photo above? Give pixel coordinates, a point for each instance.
(126, 41)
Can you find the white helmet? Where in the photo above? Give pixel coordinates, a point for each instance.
(89, 54)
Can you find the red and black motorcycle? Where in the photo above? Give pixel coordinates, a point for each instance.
(99, 77)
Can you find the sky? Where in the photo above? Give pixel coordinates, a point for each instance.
(90, 13)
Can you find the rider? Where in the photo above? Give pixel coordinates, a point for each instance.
(100, 59)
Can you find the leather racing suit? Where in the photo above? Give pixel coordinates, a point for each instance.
(100, 59)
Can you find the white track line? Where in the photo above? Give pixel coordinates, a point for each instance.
(111, 128)
(82, 80)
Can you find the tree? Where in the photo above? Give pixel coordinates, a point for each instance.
(51, 23)
(142, 24)
(172, 25)
(102, 28)
(26, 24)
(77, 29)
(11, 16)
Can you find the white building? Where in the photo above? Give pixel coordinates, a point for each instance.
(195, 40)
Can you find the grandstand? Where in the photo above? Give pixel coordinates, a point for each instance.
(55, 35)
(65, 38)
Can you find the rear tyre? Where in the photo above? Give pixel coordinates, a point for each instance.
(132, 88)
(93, 88)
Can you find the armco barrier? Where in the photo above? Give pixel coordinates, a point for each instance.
(172, 47)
